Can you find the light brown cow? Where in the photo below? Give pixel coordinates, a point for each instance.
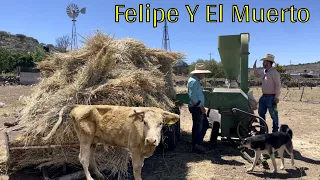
(136, 128)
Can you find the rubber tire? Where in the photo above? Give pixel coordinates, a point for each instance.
(215, 132)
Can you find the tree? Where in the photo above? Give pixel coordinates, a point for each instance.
(284, 76)
(9, 60)
(38, 54)
(215, 67)
(63, 42)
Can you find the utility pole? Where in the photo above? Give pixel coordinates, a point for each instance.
(210, 55)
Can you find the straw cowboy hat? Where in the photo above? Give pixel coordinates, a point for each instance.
(200, 68)
(269, 57)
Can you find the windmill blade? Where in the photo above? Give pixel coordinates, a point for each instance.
(83, 10)
(72, 10)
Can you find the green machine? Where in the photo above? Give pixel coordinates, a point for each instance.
(237, 118)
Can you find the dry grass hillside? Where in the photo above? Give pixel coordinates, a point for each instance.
(296, 68)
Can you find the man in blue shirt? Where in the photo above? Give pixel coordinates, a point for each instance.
(196, 107)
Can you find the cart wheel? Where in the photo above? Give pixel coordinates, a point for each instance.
(215, 132)
(254, 126)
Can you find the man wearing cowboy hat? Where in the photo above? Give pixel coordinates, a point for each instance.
(271, 86)
(196, 107)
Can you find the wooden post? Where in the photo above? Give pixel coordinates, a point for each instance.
(302, 93)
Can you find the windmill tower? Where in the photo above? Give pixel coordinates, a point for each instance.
(73, 12)
(165, 39)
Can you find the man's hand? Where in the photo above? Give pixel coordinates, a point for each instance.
(255, 65)
(276, 100)
(203, 110)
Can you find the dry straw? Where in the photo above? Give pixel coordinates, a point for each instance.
(105, 71)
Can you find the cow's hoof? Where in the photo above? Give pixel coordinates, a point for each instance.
(274, 171)
(282, 167)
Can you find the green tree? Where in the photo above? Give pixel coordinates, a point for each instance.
(9, 60)
(38, 54)
(25, 61)
(284, 76)
(215, 67)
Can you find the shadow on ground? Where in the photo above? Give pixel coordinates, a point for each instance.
(174, 164)
(290, 173)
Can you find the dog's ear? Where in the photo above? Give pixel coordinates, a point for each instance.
(289, 131)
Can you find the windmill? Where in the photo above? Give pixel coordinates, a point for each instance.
(73, 12)
(165, 38)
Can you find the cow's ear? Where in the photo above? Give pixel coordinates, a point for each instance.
(138, 115)
(170, 118)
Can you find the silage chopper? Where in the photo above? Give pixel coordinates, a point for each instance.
(238, 120)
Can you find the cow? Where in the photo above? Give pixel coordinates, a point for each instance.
(137, 129)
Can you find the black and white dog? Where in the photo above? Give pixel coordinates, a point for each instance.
(269, 144)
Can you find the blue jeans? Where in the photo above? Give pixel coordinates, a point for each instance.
(267, 103)
(200, 125)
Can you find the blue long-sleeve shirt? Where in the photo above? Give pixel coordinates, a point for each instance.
(195, 91)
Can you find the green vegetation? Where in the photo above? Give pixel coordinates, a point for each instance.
(10, 60)
(218, 72)
(215, 67)
(284, 76)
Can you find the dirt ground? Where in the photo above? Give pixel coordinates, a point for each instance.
(223, 161)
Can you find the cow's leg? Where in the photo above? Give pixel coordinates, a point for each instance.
(84, 156)
(137, 164)
(93, 162)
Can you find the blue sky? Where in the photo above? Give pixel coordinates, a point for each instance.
(295, 42)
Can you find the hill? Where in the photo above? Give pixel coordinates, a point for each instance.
(300, 68)
(315, 67)
(21, 43)
(17, 42)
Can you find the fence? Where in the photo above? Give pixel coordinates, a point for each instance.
(295, 94)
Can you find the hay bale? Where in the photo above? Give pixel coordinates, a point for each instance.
(105, 71)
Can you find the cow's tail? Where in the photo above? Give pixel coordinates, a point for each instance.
(64, 110)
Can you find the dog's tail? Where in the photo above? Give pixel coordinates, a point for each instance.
(64, 110)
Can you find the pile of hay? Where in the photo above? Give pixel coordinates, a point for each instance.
(105, 71)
